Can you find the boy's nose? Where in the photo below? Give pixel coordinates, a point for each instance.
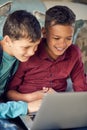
(63, 43)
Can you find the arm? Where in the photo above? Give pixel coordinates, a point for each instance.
(77, 74)
(29, 97)
(13, 109)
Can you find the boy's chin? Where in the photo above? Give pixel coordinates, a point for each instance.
(23, 60)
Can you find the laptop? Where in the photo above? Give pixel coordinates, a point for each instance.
(60, 111)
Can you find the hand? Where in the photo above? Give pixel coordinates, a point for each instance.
(45, 89)
(34, 106)
(48, 90)
(51, 90)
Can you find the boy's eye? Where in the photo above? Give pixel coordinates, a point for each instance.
(69, 39)
(56, 38)
(25, 48)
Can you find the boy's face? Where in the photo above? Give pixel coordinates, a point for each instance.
(23, 49)
(59, 38)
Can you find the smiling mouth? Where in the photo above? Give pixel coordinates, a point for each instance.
(59, 49)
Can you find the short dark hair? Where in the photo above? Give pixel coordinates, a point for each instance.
(22, 24)
(59, 15)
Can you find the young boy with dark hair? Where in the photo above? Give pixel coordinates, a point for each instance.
(21, 37)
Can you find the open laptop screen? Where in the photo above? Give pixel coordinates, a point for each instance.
(60, 111)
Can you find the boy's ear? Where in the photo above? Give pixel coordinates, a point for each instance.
(7, 40)
(43, 32)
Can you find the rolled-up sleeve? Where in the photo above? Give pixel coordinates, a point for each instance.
(12, 109)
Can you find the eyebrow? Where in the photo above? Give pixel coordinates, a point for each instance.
(60, 36)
